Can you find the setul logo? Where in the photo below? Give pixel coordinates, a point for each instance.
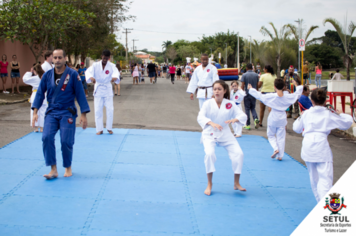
(335, 206)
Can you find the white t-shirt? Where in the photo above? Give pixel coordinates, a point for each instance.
(187, 69)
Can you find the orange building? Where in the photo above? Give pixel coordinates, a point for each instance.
(146, 58)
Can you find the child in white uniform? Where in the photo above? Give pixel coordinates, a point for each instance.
(316, 124)
(214, 117)
(237, 96)
(277, 118)
(34, 81)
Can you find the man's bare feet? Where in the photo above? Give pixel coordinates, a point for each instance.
(239, 187)
(53, 173)
(275, 154)
(41, 130)
(279, 158)
(208, 189)
(110, 132)
(68, 172)
(99, 133)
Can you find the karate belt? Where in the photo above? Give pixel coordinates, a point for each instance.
(99, 84)
(206, 90)
(33, 91)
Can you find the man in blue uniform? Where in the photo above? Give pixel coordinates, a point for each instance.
(62, 85)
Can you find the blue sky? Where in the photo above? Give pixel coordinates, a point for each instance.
(190, 19)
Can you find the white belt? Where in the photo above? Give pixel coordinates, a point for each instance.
(102, 85)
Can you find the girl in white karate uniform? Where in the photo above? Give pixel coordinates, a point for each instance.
(214, 117)
(316, 124)
(34, 81)
(237, 96)
(277, 118)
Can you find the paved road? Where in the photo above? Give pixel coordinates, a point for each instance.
(166, 106)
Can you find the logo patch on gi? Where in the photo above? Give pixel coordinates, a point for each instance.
(208, 70)
(107, 72)
(228, 106)
(70, 121)
(211, 134)
(236, 97)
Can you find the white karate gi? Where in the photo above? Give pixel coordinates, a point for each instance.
(203, 78)
(34, 81)
(316, 124)
(46, 66)
(210, 137)
(277, 118)
(103, 95)
(237, 97)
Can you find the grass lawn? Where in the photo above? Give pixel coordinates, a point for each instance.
(325, 74)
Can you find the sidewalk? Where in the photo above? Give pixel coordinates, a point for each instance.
(352, 130)
(11, 98)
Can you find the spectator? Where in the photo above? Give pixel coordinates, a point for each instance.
(337, 75)
(142, 74)
(179, 72)
(318, 73)
(77, 67)
(47, 64)
(306, 73)
(3, 72)
(81, 72)
(172, 72)
(304, 98)
(267, 84)
(225, 66)
(135, 74)
(117, 87)
(15, 74)
(156, 75)
(164, 70)
(258, 68)
(250, 77)
(151, 70)
(282, 73)
(288, 79)
(188, 72)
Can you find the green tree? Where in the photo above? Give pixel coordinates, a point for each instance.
(39, 22)
(328, 56)
(187, 51)
(345, 34)
(278, 40)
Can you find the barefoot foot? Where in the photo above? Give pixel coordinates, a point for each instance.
(68, 172)
(208, 190)
(275, 154)
(52, 175)
(279, 158)
(110, 132)
(239, 187)
(99, 133)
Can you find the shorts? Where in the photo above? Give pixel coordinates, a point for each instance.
(4, 75)
(188, 75)
(15, 74)
(152, 74)
(85, 85)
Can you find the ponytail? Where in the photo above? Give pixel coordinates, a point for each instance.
(319, 96)
(225, 87)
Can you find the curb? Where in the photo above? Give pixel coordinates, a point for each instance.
(14, 102)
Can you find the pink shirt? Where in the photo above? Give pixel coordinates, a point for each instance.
(172, 70)
(3, 69)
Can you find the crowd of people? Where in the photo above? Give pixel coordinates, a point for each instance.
(153, 71)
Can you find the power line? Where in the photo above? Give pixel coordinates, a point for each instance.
(168, 32)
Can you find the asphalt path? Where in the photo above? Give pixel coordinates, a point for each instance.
(166, 106)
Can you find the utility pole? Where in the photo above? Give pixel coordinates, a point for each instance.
(238, 52)
(299, 37)
(226, 53)
(127, 48)
(250, 49)
(133, 41)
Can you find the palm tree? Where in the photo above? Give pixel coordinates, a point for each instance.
(294, 31)
(345, 35)
(165, 45)
(278, 40)
(258, 50)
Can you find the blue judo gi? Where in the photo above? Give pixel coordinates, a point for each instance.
(61, 112)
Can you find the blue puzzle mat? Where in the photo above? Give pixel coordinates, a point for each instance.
(149, 182)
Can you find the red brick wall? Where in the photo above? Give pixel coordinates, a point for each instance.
(24, 56)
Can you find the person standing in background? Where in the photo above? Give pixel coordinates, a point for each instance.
(337, 75)
(3, 72)
(250, 77)
(81, 72)
(258, 68)
(15, 74)
(288, 78)
(179, 72)
(306, 73)
(117, 87)
(172, 72)
(188, 72)
(318, 72)
(267, 84)
(47, 64)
